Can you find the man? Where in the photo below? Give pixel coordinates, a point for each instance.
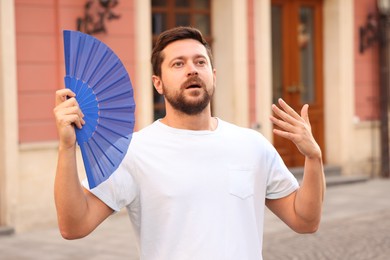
(195, 186)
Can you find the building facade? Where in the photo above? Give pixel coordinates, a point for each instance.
(305, 51)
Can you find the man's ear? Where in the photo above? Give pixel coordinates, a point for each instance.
(215, 77)
(157, 83)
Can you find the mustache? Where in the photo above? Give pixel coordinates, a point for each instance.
(194, 80)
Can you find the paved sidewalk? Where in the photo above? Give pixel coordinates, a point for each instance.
(355, 225)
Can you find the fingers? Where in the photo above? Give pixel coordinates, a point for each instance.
(305, 113)
(291, 124)
(73, 115)
(295, 128)
(63, 94)
(283, 122)
(285, 134)
(289, 110)
(287, 115)
(67, 110)
(66, 116)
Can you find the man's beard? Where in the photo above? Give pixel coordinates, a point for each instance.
(180, 102)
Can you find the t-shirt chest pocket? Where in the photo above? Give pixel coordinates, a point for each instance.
(241, 181)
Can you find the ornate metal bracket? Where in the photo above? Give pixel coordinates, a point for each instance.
(96, 12)
(368, 34)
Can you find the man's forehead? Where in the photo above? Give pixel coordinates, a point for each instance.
(184, 48)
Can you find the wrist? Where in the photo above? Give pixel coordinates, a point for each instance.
(63, 147)
(313, 157)
(316, 154)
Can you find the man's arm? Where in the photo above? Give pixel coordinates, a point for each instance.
(301, 210)
(79, 212)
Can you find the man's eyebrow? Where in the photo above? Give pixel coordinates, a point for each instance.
(200, 56)
(177, 58)
(196, 56)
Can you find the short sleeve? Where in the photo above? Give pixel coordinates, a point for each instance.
(118, 191)
(281, 182)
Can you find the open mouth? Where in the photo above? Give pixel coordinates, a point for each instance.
(193, 86)
(193, 83)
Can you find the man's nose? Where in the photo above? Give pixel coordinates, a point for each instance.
(192, 71)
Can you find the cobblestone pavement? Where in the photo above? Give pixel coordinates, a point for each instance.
(355, 225)
(362, 238)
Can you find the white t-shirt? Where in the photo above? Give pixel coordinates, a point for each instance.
(197, 194)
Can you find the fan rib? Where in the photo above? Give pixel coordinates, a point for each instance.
(81, 93)
(104, 153)
(87, 163)
(108, 141)
(96, 160)
(80, 48)
(67, 51)
(116, 119)
(76, 83)
(110, 85)
(91, 109)
(115, 96)
(112, 131)
(88, 58)
(98, 65)
(116, 108)
(104, 76)
(89, 103)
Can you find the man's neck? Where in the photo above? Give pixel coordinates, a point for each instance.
(201, 121)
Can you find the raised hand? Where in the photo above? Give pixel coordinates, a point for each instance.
(68, 114)
(296, 128)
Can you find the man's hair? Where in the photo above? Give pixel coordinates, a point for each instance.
(172, 35)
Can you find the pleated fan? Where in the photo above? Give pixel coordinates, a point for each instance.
(105, 95)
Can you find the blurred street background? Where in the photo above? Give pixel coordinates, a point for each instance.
(331, 54)
(355, 225)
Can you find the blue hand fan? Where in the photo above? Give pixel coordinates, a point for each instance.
(105, 95)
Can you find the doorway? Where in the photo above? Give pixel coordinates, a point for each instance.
(297, 66)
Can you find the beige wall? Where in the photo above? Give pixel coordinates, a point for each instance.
(8, 116)
(36, 179)
(37, 170)
(350, 144)
(2, 132)
(263, 54)
(143, 78)
(230, 44)
(366, 149)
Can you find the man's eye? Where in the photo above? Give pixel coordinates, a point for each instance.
(201, 62)
(178, 64)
